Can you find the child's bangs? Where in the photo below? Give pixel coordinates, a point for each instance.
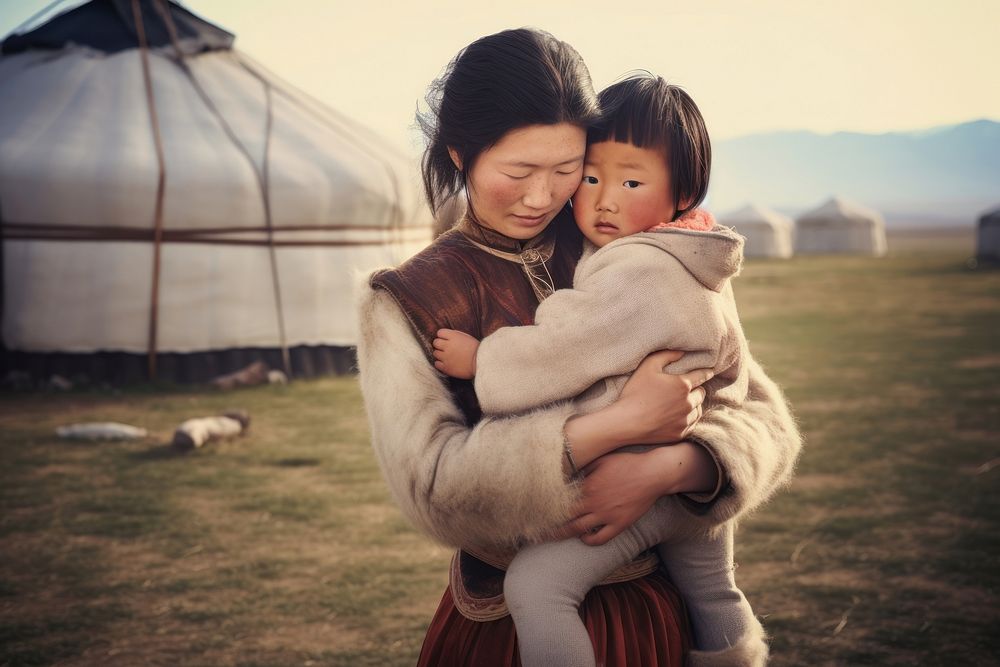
(632, 117)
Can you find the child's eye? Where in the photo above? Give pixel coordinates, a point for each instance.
(592, 180)
(631, 184)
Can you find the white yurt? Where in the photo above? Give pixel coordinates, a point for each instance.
(768, 233)
(169, 208)
(840, 227)
(988, 236)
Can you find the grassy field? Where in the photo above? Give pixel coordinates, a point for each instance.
(282, 548)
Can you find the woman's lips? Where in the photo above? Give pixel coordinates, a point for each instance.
(530, 220)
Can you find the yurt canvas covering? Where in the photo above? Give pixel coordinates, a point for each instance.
(840, 226)
(168, 204)
(767, 232)
(988, 236)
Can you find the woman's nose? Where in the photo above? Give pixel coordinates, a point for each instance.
(539, 192)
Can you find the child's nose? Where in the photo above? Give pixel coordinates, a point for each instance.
(606, 202)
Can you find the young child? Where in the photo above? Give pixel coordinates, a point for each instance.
(654, 275)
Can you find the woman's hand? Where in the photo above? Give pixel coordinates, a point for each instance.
(622, 486)
(654, 407)
(616, 492)
(662, 407)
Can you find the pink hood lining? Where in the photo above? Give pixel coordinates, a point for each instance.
(697, 219)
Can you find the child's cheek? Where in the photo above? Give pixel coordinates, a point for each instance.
(645, 212)
(582, 203)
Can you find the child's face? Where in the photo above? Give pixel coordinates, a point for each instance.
(625, 190)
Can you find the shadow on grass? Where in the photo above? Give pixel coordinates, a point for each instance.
(163, 452)
(296, 462)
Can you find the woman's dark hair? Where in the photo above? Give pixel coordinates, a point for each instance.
(499, 83)
(646, 111)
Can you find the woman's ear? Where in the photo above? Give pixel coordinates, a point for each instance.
(455, 158)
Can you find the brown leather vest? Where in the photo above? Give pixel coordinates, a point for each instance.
(476, 280)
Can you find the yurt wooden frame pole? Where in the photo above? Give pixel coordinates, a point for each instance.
(160, 187)
(261, 174)
(325, 116)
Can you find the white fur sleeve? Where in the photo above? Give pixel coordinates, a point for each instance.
(480, 487)
(627, 302)
(757, 444)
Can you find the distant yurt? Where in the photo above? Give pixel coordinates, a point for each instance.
(840, 227)
(767, 232)
(988, 236)
(169, 208)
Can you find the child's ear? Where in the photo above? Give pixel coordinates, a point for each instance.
(455, 158)
(682, 205)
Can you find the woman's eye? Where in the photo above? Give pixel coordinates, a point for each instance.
(516, 177)
(590, 179)
(631, 184)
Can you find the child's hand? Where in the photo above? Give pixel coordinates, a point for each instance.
(455, 353)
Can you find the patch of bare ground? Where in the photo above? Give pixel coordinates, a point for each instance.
(981, 362)
(938, 333)
(821, 482)
(309, 637)
(899, 394)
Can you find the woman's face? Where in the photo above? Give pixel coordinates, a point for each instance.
(519, 185)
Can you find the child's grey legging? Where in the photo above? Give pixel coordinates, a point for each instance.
(546, 583)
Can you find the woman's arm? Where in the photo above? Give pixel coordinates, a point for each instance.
(621, 487)
(492, 484)
(757, 444)
(484, 486)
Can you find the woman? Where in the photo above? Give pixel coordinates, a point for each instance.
(508, 128)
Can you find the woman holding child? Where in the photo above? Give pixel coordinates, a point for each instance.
(510, 128)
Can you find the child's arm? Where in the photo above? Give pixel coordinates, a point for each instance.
(455, 353)
(619, 311)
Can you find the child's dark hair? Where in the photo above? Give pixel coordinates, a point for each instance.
(499, 83)
(646, 111)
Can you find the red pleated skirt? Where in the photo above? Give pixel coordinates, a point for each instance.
(637, 623)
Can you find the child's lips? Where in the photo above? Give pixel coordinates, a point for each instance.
(605, 226)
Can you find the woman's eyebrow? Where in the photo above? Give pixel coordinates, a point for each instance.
(521, 163)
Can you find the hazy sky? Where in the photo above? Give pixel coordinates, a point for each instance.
(869, 66)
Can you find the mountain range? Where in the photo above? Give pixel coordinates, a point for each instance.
(943, 176)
